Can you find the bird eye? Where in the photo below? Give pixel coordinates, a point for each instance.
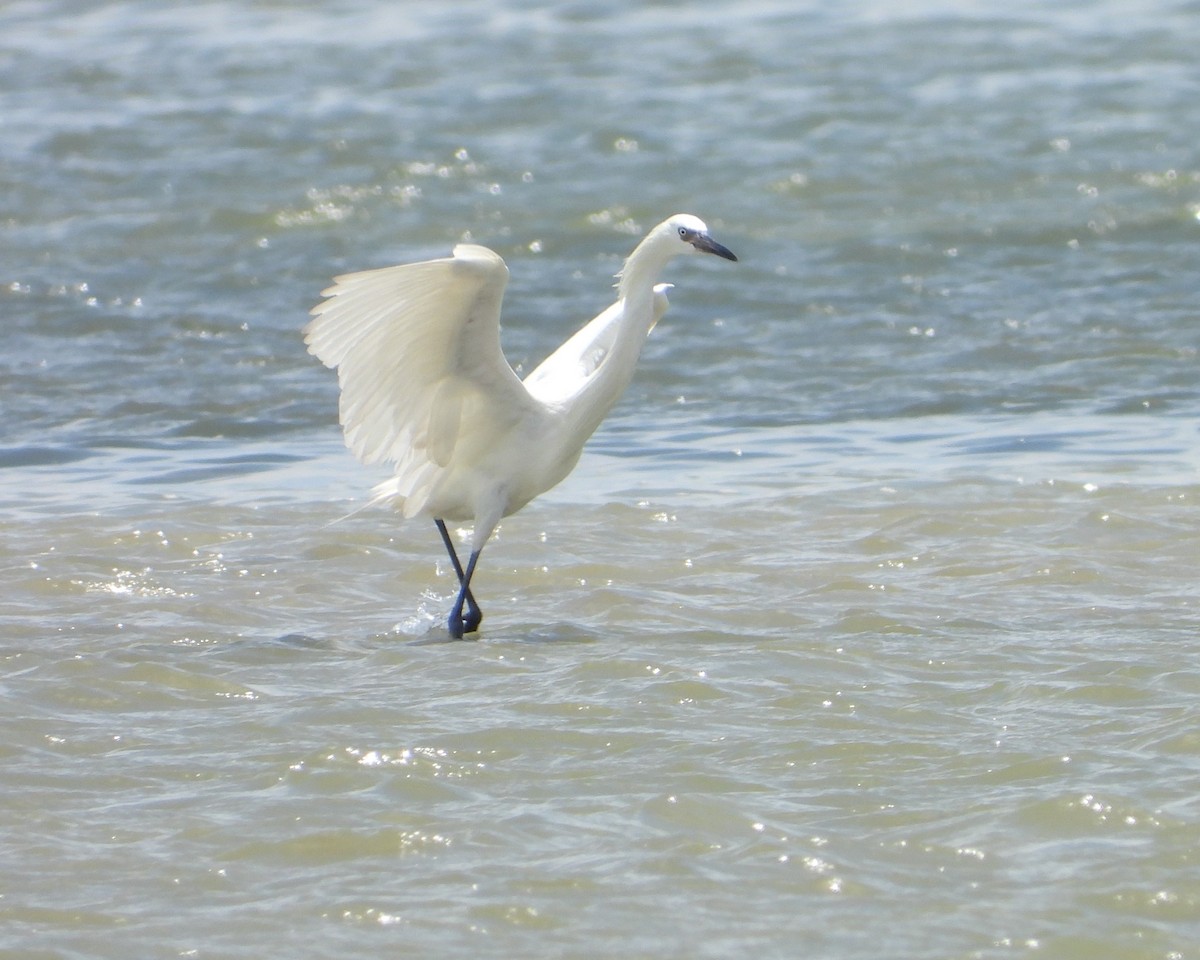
(685, 233)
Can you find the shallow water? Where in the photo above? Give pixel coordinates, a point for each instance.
(867, 625)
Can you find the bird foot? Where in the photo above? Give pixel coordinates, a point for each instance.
(459, 624)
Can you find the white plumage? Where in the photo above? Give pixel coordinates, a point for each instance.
(425, 385)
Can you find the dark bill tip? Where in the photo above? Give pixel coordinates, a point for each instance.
(707, 244)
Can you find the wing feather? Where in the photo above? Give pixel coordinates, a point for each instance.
(566, 372)
(414, 346)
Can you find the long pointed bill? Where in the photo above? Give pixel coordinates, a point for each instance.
(707, 244)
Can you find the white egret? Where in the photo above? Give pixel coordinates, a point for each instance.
(425, 385)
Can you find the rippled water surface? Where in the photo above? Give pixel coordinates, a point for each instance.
(867, 626)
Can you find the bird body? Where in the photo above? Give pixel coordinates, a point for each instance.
(425, 385)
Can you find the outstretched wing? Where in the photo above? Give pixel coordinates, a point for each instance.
(567, 371)
(413, 346)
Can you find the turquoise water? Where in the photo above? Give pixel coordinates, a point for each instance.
(867, 625)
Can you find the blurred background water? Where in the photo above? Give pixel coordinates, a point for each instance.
(867, 626)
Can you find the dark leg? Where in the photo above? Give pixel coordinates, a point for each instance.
(470, 623)
(458, 624)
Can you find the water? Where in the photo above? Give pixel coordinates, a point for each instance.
(867, 626)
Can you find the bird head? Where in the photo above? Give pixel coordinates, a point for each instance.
(693, 233)
(681, 233)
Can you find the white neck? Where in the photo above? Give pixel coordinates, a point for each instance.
(620, 332)
(642, 269)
